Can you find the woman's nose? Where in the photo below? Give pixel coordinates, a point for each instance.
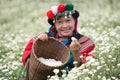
(64, 24)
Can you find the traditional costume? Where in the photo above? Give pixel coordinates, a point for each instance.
(86, 43)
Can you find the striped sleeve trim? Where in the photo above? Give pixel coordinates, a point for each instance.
(87, 45)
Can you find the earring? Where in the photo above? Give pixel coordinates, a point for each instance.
(53, 21)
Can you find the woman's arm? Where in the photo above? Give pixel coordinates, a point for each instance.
(75, 47)
(86, 48)
(27, 51)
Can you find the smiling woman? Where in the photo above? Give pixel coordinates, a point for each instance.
(63, 20)
(21, 19)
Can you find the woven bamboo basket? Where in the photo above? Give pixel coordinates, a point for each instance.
(47, 49)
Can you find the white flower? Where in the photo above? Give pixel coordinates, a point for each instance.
(85, 70)
(113, 77)
(5, 70)
(95, 64)
(56, 71)
(114, 59)
(82, 66)
(89, 58)
(103, 78)
(92, 60)
(78, 74)
(87, 78)
(107, 69)
(112, 33)
(102, 61)
(94, 71)
(118, 65)
(75, 63)
(90, 72)
(110, 56)
(70, 76)
(99, 67)
(88, 63)
(99, 76)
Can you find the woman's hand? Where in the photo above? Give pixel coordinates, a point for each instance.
(43, 36)
(75, 45)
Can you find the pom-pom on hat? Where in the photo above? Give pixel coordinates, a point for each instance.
(61, 8)
(69, 7)
(50, 14)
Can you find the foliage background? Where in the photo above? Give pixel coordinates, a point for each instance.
(22, 19)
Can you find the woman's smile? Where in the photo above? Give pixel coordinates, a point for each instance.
(65, 30)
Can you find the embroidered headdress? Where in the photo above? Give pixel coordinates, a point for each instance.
(66, 10)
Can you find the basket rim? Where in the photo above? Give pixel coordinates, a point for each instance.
(49, 65)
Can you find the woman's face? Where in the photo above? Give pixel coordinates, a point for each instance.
(65, 26)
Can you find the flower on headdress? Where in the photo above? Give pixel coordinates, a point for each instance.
(60, 8)
(69, 7)
(50, 14)
(54, 9)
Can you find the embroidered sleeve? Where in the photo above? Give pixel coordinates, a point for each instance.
(87, 46)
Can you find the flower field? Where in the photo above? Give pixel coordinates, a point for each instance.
(99, 19)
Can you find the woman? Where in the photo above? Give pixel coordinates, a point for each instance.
(63, 21)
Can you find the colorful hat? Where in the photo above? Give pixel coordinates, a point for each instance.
(65, 9)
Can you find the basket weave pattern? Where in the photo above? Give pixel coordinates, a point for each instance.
(52, 49)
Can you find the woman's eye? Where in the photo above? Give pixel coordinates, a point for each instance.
(59, 21)
(68, 20)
